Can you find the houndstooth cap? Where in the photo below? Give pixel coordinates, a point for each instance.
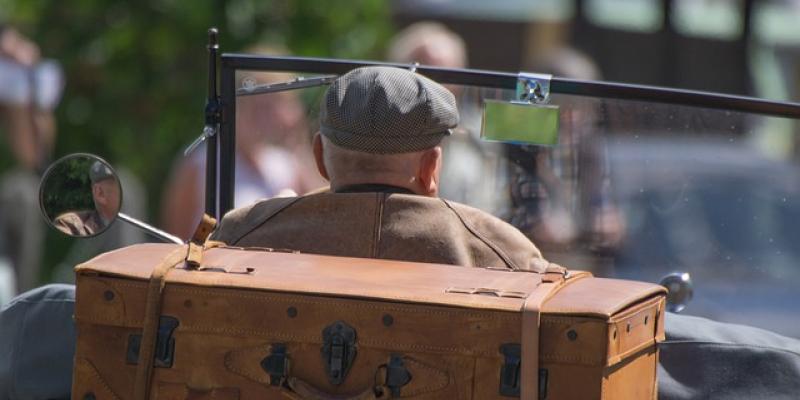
(386, 110)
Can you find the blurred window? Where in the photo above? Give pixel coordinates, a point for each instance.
(776, 22)
(646, 16)
(504, 10)
(713, 19)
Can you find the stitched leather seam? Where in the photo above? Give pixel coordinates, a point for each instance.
(229, 364)
(510, 264)
(269, 335)
(441, 382)
(376, 225)
(376, 243)
(418, 309)
(299, 299)
(99, 378)
(288, 202)
(547, 319)
(576, 359)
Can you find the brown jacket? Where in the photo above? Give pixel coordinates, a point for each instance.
(381, 225)
(80, 223)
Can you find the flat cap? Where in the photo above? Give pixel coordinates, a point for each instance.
(99, 171)
(386, 110)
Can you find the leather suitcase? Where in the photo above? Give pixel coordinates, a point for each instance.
(250, 324)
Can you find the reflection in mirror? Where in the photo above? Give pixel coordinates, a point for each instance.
(520, 123)
(80, 195)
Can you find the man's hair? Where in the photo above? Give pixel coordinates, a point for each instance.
(426, 33)
(344, 162)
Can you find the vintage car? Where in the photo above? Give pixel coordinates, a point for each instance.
(624, 181)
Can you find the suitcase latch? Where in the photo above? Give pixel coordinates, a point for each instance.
(338, 350)
(165, 344)
(276, 364)
(509, 372)
(397, 375)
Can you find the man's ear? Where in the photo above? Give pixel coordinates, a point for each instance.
(97, 192)
(319, 157)
(428, 174)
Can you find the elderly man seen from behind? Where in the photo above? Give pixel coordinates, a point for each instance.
(379, 147)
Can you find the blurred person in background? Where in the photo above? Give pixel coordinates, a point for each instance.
(561, 195)
(433, 44)
(273, 155)
(29, 91)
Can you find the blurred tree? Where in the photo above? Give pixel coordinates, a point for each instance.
(136, 70)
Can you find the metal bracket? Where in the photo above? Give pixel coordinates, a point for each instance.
(338, 350)
(165, 344)
(276, 364)
(397, 375)
(251, 88)
(533, 88)
(509, 372)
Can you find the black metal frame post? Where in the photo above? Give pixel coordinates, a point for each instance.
(227, 138)
(212, 114)
(490, 79)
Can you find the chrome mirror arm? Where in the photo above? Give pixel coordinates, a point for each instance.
(151, 230)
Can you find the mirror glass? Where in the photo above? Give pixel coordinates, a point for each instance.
(80, 195)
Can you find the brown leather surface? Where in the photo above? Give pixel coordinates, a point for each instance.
(380, 225)
(229, 320)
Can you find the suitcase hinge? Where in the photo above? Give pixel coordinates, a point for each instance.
(276, 364)
(338, 350)
(509, 372)
(165, 344)
(397, 375)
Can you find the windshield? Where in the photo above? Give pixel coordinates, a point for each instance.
(631, 189)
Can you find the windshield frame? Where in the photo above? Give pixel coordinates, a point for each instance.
(220, 176)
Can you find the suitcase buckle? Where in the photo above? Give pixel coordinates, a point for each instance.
(165, 344)
(276, 364)
(509, 372)
(338, 350)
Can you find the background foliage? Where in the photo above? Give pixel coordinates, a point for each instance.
(136, 70)
(67, 187)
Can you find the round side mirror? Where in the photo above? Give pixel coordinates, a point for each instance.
(679, 290)
(80, 195)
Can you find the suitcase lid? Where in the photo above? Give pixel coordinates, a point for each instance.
(389, 280)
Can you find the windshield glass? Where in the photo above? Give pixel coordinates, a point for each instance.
(631, 190)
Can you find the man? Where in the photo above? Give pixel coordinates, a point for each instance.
(106, 198)
(379, 146)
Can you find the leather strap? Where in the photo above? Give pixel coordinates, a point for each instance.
(531, 313)
(144, 370)
(298, 389)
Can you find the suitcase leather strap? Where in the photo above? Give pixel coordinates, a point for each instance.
(144, 370)
(553, 280)
(297, 389)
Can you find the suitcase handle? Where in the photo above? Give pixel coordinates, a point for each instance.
(296, 388)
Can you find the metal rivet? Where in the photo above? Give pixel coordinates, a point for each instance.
(388, 320)
(187, 303)
(108, 295)
(291, 312)
(572, 335)
(89, 396)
